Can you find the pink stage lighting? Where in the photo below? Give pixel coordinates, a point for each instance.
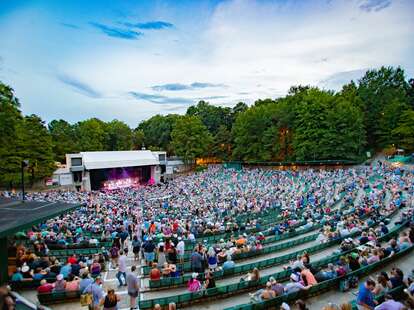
(120, 183)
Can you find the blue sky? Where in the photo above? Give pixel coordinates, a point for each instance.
(132, 59)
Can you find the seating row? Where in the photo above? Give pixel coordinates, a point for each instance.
(218, 236)
(321, 287)
(236, 288)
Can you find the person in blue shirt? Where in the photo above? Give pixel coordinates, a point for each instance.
(17, 276)
(228, 264)
(97, 293)
(38, 274)
(65, 270)
(365, 296)
(85, 282)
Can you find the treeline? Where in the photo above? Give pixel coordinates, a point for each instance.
(308, 123)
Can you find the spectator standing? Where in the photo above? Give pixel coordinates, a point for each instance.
(365, 299)
(122, 262)
(132, 282)
(97, 293)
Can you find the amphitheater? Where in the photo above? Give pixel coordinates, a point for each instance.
(275, 221)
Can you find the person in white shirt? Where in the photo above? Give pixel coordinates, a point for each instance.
(180, 249)
(93, 241)
(191, 237)
(122, 264)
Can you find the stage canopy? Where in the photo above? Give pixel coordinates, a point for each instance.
(118, 159)
(16, 215)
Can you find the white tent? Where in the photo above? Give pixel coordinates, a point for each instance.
(117, 159)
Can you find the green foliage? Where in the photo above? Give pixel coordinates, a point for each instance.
(35, 144)
(200, 168)
(137, 139)
(250, 141)
(10, 117)
(388, 121)
(190, 138)
(404, 132)
(222, 143)
(22, 138)
(119, 136)
(410, 93)
(91, 135)
(239, 107)
(345, 137)
(157, 132)
(63, 139)
(311, 125)
(378, 89)
(212, 117)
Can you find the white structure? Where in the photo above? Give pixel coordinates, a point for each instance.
(94, 170)
(62, 176)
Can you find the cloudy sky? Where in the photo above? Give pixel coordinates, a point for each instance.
(132, 59)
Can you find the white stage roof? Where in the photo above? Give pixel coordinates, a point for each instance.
(115, 159)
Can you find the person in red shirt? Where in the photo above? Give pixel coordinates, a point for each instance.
(175, 226)
(167, 245)
(72, 259)
(45, 287)
(152, 228)
(155, 273)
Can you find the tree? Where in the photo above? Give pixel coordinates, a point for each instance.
(311, 125)
(388, 121)
(119, 136)
(260, 102)
(35, 144)
(253, 130)
(211, 116)
(91, 135)
(10, 116)
(157, 132)
(63, 139)
(345, 134)
(378, 89)
(239, 107)
(222, 144)
(404, 132)
(349, 92)
(411, 93)
(328, 126)
(138, 138)
(190, 138)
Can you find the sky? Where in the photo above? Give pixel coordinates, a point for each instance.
(130, 60)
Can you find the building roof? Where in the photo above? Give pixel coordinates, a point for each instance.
(17, 216)
(62, 170)
(115, 159)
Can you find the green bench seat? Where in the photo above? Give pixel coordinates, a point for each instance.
(283, 275)
(58, 297)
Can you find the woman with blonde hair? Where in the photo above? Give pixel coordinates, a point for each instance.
(212, 258)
